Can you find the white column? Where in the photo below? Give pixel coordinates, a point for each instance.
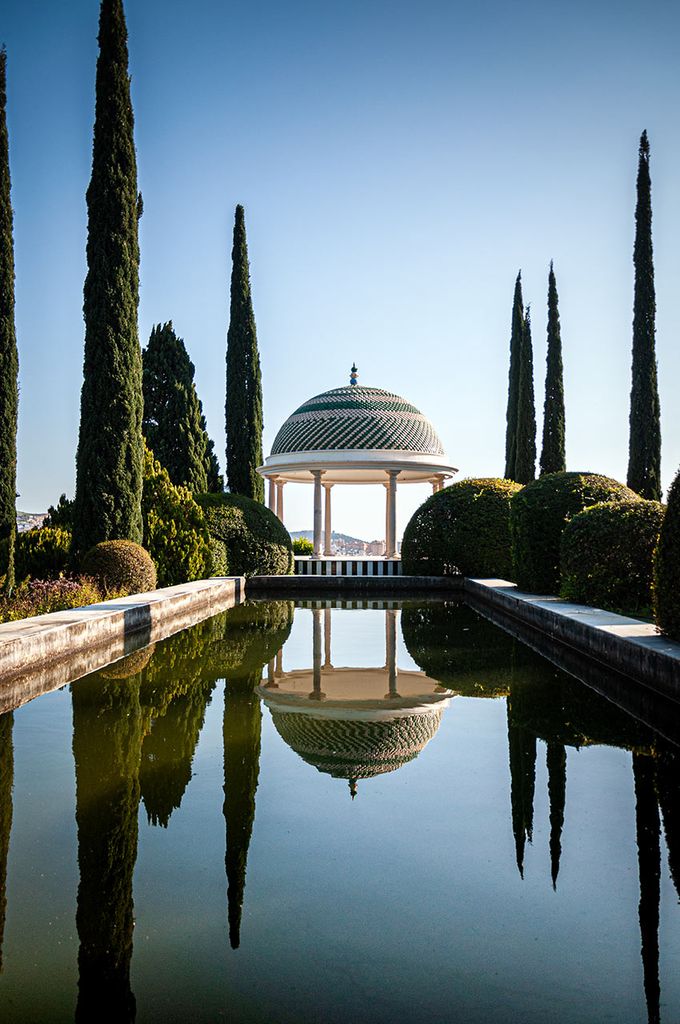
(279, 498)
(327, 522)
(327, 638)
(316, 473)
(391, 540)
(272, 493)
(317, 693)
(391, 651)
(435, 485)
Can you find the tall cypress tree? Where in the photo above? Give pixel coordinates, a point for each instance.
(174, 425)
(6, 782)
(244, 379)
(556, 762)
(644, 459)
(9, 359)
(553, 459)
(648, 829)
(110, 452)
(242, 728)
(107, 739)
(525, 460)
(513, 379)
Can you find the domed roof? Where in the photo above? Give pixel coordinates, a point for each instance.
(357, 418)
(352, 748)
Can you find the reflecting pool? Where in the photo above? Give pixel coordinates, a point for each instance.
(323, 813)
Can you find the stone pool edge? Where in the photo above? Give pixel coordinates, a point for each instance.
(629, 646)
(44, 652)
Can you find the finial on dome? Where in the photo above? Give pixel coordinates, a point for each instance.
(353, 787)
(354, 373)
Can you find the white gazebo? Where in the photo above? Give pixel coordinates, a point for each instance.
(354, 435)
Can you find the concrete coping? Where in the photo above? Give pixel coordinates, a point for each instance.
(623, 643)
(44, 652)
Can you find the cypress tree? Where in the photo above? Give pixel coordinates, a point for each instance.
(556, 762)
(644, 459)
(525, 460)
(513, 380)
(110, 451)
(174, 425)
(107, 739)
(9, 359)
(244, 380)
(6, 783)
(648, 830)
(242, 728)
(553, 459)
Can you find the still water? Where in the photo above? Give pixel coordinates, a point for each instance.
(370, 814)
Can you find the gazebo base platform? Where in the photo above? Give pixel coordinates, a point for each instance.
(347, 566)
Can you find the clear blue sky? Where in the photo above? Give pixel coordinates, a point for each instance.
(398, 164)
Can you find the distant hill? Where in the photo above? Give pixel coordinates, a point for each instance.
(343, 538)
(27, 520)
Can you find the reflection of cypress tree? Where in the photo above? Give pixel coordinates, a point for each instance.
(168, 752)
(556, 760)
(6, 780)
(242, 725)
(668, 790)
(107, 734)
(522, 751)
(649, 860)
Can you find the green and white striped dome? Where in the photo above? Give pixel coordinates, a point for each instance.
(357, 418)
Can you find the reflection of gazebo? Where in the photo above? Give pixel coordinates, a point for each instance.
(354, 723)
(354, 435)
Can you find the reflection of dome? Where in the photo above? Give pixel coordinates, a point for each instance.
(358, 747)
(357, 417)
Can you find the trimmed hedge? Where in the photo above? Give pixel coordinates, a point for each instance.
(607, 554)
(43, 553)
(256, 541)
(538, 516)
(456, 646)
(667, 567)
(121, 565)
(175, 532)
(464, 528)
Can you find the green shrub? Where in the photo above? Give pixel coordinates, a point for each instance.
(667, 567)
(42, 553)
(256, 541)
(218, 563)
(539, 514)
(120, 565)
(175, 532)
(303, 546)
(607, 553)
(464, 528)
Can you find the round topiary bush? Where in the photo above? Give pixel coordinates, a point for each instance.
(667, 567)
(42, 554)
(538, 516)
(121, 566)
(464, 528)
(607, 554)
(256, 541)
